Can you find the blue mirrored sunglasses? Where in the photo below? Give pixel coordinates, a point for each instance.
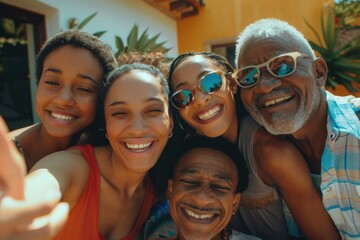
(208, 84)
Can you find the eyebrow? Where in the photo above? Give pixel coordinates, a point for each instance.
(115, 103)
(217, 175)
(199, 76)
(58, 71)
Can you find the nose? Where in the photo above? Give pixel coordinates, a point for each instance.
(203, 196)
(64, 97)
(138, 125)
(267, 82)
(200, 98)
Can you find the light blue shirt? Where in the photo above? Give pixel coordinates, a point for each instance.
(340, 166)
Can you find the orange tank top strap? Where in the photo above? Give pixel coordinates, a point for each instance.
(84, 216)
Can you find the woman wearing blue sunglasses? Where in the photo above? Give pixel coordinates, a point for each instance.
(203, 87)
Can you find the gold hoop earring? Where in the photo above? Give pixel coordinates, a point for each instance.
(171, 134)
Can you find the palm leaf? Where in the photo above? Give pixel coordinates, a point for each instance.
(314, 31)
(132, 38)
(99, 34)
(86, 21)
(119, 44)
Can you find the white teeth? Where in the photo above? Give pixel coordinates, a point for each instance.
(194, 215)
(209, 114)
(272, 102)
(138, 147)
(61, 117)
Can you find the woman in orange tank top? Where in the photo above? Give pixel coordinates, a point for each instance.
(110, 188)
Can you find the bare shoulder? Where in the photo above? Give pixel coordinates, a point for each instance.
(68, 170)
(273, 147)
(20, 131)
(71, 160)
(276, 156)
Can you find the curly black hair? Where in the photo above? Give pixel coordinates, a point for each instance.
(78, 39)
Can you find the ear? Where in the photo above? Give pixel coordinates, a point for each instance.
(169, 188)
(320, 70)
(236, 202)
(232, 82)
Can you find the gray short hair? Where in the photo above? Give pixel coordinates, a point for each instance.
(271, 27)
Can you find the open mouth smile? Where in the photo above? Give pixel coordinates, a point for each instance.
(210, 114)
(61, 117)
(199, 217)
(276, 101)
(142, 147)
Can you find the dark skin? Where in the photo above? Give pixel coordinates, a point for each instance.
(279, 163)
(300, 89)
(36, 137)
(65, 103)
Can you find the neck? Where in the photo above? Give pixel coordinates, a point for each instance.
(52, 144)
(232, 132)
(311, 138)
(43, 144)
(120, 178)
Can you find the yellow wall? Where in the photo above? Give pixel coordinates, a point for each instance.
(220, 19)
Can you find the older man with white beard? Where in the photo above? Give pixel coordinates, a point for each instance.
(282, 86)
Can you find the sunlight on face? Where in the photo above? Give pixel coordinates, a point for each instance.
(202, 193)
(138, 123)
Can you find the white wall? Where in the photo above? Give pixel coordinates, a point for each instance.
(115, 16)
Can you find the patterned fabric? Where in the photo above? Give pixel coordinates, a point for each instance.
(340, 162)
(159, 224)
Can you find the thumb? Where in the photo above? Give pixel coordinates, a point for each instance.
(12, 166)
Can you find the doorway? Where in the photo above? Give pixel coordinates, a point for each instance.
(21, 34)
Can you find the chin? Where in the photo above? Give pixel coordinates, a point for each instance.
(197, 236)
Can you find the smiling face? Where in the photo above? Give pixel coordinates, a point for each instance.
(137, 118)
(211, 115)
(202, 194)
(281, 104)
(67, 91)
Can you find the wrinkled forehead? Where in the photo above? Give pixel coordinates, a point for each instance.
(255, 51)
(207, 162)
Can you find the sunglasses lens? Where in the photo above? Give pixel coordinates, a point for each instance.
(248, 76)
(211, 83)
(282, 66)
(182, 98)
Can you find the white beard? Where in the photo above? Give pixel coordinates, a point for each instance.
(283, 123)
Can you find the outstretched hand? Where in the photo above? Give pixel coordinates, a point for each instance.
(20, 218)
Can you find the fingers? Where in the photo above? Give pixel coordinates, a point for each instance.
(20, 212)
(45, 227)
(35, 218)
(12, 166)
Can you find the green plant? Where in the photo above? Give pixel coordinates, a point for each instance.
(346, 13)
(343, 60)
(73, 23)
(142, 44)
